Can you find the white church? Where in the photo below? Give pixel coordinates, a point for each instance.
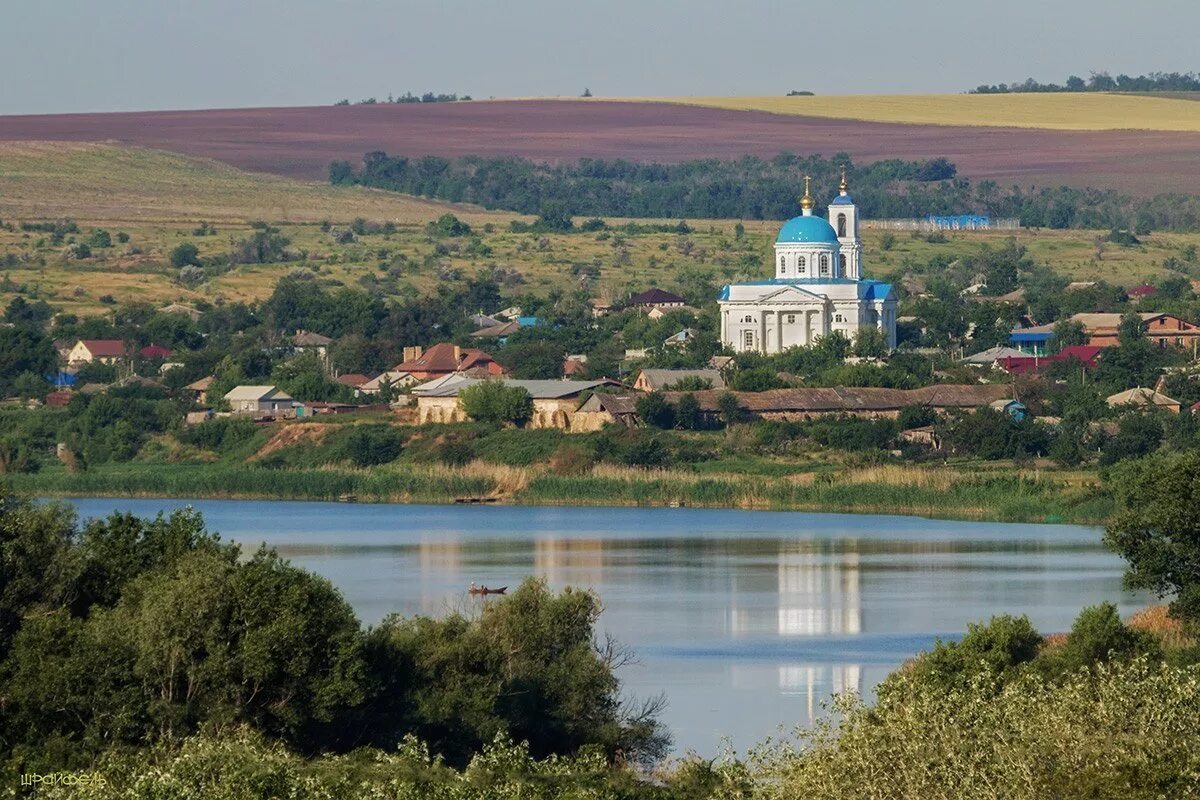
(818, 286)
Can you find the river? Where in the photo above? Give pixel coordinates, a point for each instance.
(745, 620)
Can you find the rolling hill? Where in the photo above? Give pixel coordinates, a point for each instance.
(300, 142)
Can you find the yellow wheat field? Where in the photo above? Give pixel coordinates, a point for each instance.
(1091, 111)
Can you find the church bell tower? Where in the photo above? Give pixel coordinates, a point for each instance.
(843, 216)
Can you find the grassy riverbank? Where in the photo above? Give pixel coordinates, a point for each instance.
(958, 492)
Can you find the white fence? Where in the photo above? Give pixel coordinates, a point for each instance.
(941, 225)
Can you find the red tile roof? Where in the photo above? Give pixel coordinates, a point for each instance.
(352, 379)
(1087, 354)
(104, 347)
(154, 351)
(440, 360)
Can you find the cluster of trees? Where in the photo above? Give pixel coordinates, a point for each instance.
(129, 633)
(1103, 82)
(409, 97)
(755, 188)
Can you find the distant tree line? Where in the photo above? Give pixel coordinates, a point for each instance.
(756, 188)
(408, 97)
(1102, 82)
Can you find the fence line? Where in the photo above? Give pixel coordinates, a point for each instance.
(966, 223)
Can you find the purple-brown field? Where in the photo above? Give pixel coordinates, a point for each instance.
(300, 142)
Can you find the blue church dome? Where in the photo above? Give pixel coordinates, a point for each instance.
(807, 230)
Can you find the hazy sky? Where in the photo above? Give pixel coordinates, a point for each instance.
(116, 55)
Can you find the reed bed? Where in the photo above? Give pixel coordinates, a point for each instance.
(917, 491)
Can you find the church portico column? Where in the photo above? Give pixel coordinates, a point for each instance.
(779, 331)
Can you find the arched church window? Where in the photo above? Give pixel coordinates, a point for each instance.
(842, 263)
(824, 264)
(791, 319)
(781, 263)
(841, 226)
(838, 318)
(801, 266)
(748, 318)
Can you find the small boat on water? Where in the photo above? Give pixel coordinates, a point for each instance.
(480, 590)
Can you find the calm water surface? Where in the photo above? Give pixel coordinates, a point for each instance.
(745, 620)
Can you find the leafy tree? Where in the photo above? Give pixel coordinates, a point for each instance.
(497, 403)
(730, 408)
(24, 349)
(1068, 333)
(1156, 527)
(758, 379)
(656, 411)
(368, 445)
(916, 417)
(449, 225)
(1098, 635)
(528, 666)
(870, 342)
(1137, 435)
(185, 254)
(687, 413)
(531, 360)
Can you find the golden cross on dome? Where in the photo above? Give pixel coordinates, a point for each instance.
(806, 202)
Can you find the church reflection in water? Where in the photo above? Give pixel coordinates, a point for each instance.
(817, 595)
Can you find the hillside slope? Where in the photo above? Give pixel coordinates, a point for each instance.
(301, 142)
(88, 181)
(1085, 111)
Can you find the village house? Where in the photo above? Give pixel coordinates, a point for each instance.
(104, 351)
(575, 364)
(991, 357)
(605, 409)
(199, 389)
(657, 380)
(1085, 356)
(445, 358)
(1143, 398)
(655, 298)
(352, 379)
(681, 338)
(395, 378)
(554, 401)
(309, 342)
(155, 352)
(259, 401)
(1103, 330)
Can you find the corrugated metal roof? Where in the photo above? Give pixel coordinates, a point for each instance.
(256, 393)
(452, 385)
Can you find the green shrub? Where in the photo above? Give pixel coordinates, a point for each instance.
(495, 402)
(368, 445)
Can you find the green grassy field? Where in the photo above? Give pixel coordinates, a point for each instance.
(158, 199)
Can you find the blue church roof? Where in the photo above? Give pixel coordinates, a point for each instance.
(807, 230)
(842, 200)
(867, 289)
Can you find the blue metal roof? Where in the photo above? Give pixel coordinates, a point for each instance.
(842, 200)
(1040, 336)
(807, 230)
(867, 289)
